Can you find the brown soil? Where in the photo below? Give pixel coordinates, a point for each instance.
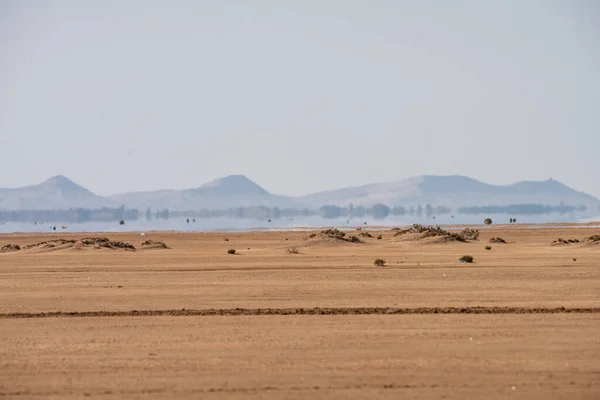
(521, 322)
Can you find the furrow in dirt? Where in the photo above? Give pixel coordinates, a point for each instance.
(303, 311)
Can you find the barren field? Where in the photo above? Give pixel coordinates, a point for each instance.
(93, 318)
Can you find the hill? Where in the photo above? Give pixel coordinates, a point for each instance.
(222, 193)
(56, 193)
(232, 191)
(453, 191)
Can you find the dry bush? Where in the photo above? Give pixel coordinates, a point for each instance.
(380, 262)
(10, 247)
(339, 235)
(593, 239)
(430, 231)
(155, 243)
(335, 233)
(466, 258)
(293, 250)
(231, 251)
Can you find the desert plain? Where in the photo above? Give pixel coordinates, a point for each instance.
(289, 316)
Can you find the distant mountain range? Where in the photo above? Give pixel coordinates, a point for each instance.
(60, 192)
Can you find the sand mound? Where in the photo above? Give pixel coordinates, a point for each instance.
(81, 244)
(332, 237)
(433, 235)
(592, 240)
(49, 246)
(9, 248)
(154, 245)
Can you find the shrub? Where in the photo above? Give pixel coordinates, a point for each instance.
(379, 237)
(379, 262)
(354, 239)
(488, 247)
(487, 221)
(593, 238)
(332, 232)
(312, 235)
(497, 240)
(121, 222)
(154, 243)
(469, 234)
(466, 258)
(365, 234)
(462, 236)
(231, 251)
(293, 250)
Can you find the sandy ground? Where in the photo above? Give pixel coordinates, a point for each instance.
(504, 355)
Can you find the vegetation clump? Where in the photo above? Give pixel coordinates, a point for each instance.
(593, 239)
(332, 232)
(466, 258)
(380, 262)
(115, 244)
(156, 243)
(90, 241)
(488, 247)
(339, 235)
(293, 250)
(365, 234)
(487, 221)
(231, 251)
(564, 241)
(379, 237)
(10, 247)
(465, 235)
(497, 240)
(49, 243)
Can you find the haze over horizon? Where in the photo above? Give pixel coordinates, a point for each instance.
(300, 97)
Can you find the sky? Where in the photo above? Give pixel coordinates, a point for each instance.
(300, 96)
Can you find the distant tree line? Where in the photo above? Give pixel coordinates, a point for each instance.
(74, 215)
(377, 211)
(522, 209)
(380, 211)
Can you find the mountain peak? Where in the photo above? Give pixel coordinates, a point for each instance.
(63, 184)
(233, 185)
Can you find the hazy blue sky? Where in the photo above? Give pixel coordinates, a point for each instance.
(298, 95)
